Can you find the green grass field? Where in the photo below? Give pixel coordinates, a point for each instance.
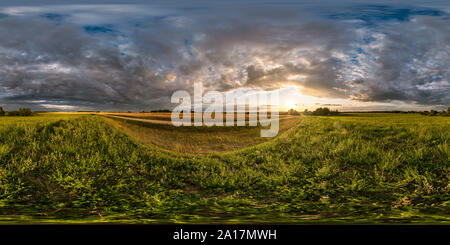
(355, 168)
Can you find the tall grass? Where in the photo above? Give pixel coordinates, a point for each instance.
(389, 168)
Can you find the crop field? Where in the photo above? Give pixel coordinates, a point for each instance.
(195, 140)
(354, 168)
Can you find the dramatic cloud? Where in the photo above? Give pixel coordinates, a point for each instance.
(133, 56)
(410, 63)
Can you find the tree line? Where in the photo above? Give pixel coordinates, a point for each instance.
(322, 111)
(21, 112)
(436, 113)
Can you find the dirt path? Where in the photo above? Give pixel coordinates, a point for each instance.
(168, 122)
(142, 119)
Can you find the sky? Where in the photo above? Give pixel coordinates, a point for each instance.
(132, 55)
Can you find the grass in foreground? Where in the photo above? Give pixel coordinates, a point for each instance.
(354, 169)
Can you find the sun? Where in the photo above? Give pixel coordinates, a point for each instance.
(290, 104)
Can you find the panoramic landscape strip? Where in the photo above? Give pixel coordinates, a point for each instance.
(237, 120)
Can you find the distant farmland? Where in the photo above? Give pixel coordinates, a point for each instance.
(354, 168)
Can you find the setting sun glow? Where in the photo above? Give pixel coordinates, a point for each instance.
(290, 104)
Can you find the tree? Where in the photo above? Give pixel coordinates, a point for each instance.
(325, 111)
(293, 112)
(2, 112)
(25, 111)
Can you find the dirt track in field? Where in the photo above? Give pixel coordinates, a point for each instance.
(166, 122)
(164, 117)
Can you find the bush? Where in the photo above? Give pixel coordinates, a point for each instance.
(12, 113)
(2, 112)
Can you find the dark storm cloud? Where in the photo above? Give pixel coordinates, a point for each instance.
(134, 56)
(412, 64)
(41, 61)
